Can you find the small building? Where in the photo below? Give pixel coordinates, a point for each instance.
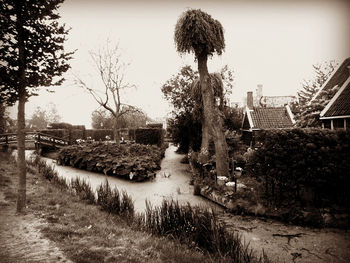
(264, 118)
(336, 114)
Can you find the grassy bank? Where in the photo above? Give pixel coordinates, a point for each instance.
(87, 234)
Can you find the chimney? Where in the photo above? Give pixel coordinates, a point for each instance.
(259, 94)
(250, 100)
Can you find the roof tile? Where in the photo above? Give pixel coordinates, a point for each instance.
(271, 118)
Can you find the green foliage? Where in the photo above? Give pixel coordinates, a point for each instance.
(182, 93)
(295, 162)
(151, 136)
(131, 161)
(32, 47)
(186, 132)
(197, 32)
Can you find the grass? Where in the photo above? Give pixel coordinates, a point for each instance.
(88, 234)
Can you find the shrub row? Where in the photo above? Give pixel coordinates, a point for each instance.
(132, 161)
(306, 165)
(198, 228)
(151, 136)
(100, 134)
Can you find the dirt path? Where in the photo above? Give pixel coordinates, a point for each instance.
(20, 236)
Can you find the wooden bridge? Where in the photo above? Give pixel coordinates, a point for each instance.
(39, 139)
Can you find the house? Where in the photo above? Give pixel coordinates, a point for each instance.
(336, 114)
(264, 118)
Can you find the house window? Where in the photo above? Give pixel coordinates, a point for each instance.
(347, 124)
(327, 124)
(338, 123)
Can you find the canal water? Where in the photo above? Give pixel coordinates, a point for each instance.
(276, 239)
(171, 182)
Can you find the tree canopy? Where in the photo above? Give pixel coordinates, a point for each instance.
(306, 110)
(197, 32)
(32, 55)
(31, 41)
(185, 125)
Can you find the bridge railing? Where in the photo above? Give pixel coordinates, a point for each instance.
(9, 138)
(45, 139)
(36, 137)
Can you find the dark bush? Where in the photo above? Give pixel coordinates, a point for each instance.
(311, 166)
(60, 133)
(155, 125)
(151, 136)
(99, 134)
(132, 134)
(60, 125)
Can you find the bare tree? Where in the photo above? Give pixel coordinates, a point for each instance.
(111, 70)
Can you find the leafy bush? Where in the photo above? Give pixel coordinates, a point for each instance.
(132, 161)
(305, 165)
(151, 136)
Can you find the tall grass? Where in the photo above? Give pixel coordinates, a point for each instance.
(197, 227)
(112, 201)
(83, 190)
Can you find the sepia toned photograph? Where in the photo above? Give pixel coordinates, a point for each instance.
(195, 131)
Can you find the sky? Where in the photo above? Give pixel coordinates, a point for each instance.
(273, 43)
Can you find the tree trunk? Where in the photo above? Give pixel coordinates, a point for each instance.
(21, 163)
(213, 118)
(116, 132)
(205, 139)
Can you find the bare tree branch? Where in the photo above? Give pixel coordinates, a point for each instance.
(111, 70)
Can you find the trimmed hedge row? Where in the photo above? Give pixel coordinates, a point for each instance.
(100, 134)
(152, 136)
(131, 161)
(61, 133)
(311, 166)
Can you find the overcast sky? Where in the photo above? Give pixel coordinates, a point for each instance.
(274, 43)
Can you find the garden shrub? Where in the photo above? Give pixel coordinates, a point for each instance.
(60, 125)
(131, 161)
(60, 133)
(311, 166)
(99, 134)
(152, 136)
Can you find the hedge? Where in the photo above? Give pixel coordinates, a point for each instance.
(311, 166)
(131, 161)
(149, 136)
(99, 134)
(61, 133)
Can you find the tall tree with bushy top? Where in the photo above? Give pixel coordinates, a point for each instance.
(197, 32)
(32, 55)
